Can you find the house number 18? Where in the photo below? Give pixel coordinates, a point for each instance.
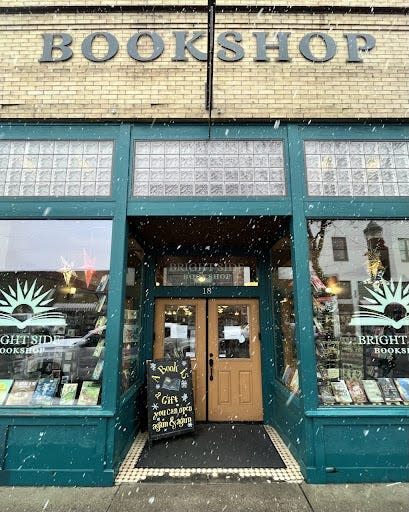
(207, 291)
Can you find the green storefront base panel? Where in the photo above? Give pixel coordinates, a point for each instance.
(364, 450)
(127, 424)
(66, 478)
(55, 451)
(286, 417)
(51, 446)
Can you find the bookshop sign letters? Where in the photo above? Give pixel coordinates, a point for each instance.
(231, 46)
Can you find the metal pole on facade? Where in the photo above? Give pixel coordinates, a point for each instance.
(210, 60)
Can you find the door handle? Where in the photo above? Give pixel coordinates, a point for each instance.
(211, 363)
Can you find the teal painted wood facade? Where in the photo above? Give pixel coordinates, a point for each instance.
(71, 446)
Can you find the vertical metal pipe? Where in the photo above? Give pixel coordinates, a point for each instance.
(210, 59)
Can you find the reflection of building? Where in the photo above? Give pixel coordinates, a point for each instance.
(119, 145)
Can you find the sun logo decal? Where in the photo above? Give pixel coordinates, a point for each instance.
(377, 306)
(35, 299)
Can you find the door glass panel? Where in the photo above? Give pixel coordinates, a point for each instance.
(180, 331)
(233, 331)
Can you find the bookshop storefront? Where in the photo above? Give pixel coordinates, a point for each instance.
(186, 181)
(273, 257)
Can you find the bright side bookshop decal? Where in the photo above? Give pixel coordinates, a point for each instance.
(41, 314)
(387, 309)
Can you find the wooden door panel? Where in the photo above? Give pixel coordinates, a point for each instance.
(245, 385)
(224, 388)
(235, 392)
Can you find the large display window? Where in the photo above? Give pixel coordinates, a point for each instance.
(360, 295)
(54, 280)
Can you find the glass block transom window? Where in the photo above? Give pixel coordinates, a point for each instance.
(55, 168)
(357, 168)
(209, 168)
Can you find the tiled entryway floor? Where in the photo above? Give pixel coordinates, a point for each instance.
(129, 473)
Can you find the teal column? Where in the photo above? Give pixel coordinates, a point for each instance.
(300, 260)
(113, 355)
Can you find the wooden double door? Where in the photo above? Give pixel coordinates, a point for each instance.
(221, 337)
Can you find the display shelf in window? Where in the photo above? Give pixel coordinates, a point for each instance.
(326, 331)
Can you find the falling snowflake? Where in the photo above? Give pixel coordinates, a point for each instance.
(184, 363)
(183, 384)
(153, 366)
(189, 425)
(157, 386)
(155, 407)
(184, 397)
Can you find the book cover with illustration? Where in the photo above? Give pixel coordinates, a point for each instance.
(21, 392)
(372, 391)
(287, 374)
(45, 391)
(341, 392)
(5, 385)
(102, 283)
(89, 393)
(356, 390)
(326, 395)
(402, 383)
(389, 391)
(99, 349)
(68, 393)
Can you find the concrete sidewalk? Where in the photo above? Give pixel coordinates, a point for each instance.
(209, 497)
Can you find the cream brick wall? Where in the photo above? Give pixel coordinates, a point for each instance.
(220, 3)
(125, 89)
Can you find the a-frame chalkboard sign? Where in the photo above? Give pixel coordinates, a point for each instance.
(171, 410)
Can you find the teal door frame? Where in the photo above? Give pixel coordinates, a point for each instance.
(262, 292)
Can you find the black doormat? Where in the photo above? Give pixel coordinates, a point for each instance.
(214, 445)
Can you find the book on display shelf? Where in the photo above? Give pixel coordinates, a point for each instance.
(402, 385)
(372, 391)
(294, 382)
(326, 395)
(5, 386)
(389, 391)
(102, 283)
(356, 390)
(89, 393)
(68, 393)
(21, 392)
(341, 392)
(45, 391)
(287, 374)
(96, 374)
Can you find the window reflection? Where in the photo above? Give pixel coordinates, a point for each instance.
(180, 331)
(233, 329)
